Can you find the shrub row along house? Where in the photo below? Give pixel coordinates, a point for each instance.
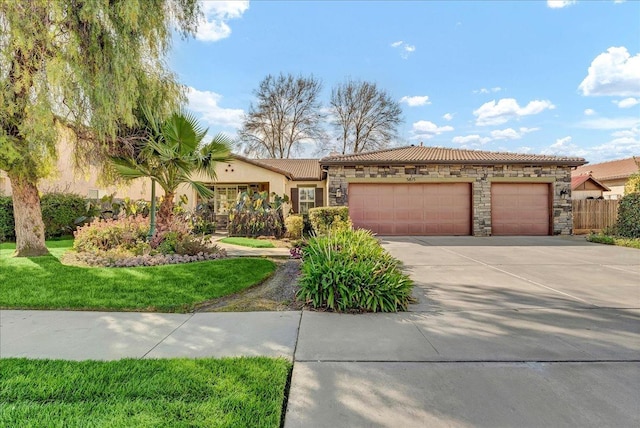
(414, 190)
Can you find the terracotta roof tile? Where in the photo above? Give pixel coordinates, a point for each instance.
(421, 155)
(621, 168)
(294, 169)
(300, 169)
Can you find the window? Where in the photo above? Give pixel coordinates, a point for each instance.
(306, 199)
(225, 197)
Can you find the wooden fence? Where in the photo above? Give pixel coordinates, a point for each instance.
(594, 214)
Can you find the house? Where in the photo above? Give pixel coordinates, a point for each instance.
(586, 187)
(300, 180)
(413, 190)
(419, 190)
(65, 179)
(612, 174)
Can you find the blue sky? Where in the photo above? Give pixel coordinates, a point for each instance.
(557, 77)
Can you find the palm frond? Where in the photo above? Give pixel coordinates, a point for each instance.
(202, 190)
(128, 169)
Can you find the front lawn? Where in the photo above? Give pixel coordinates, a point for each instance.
(248, 242)
(45, 283)
(238, 392)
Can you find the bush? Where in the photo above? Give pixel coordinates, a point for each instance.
(628, 224)
(294, 225)
(128, 234)
(349, 270)
(7, 224)
(253, 216)
(633, 184)
(62, 213)
(322, 218)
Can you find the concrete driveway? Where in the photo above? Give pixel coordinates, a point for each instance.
(517, 331)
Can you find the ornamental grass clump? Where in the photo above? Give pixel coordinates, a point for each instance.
(348, 270)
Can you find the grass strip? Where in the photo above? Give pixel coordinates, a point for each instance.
(45, 283)
(614, 240)
(228, 392)
(248, 242)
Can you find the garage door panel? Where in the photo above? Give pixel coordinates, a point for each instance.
(520, 209)
(412, 209)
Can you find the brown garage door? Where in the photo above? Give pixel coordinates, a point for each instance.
(411, 209)
(520, 209)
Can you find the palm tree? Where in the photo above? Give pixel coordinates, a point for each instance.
(171, 153)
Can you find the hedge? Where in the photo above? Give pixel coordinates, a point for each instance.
(322, 218)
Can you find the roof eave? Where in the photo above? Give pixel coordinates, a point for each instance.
(450, 162)
(262, 165)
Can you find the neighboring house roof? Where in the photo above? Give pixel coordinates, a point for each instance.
(578, 180)
(442, 155)
(612, 170)
(293, 169)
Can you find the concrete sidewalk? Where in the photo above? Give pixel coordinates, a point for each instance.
(111, 336)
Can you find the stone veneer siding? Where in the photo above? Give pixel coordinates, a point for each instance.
(480, 177)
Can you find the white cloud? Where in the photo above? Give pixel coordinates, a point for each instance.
(447, 116)
(206, 103)
(487, 91)
(559, 4)
(610, 123)
(416, 101)
(627, 102)
(510, 133)
(623, 145)
(213, 26)
(564, 147)
(473, 139)
(425, 129)
(613, 73)
(497, 113)
(405, 48)
(589, 112)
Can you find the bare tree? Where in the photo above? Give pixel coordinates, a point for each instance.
(287, 113)
(365, 116)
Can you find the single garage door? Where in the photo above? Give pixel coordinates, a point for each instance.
(411, 209)
(520, 209)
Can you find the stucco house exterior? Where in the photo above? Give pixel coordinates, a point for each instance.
(419, 190)
(301, 180)
(65, 179)
(613, 174)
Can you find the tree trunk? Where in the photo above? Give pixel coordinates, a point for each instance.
(165, 213)
(28, 218)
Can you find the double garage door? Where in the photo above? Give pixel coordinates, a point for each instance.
(446, 208)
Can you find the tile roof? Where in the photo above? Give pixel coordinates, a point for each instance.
(294, 169)
(577, 180)
(621, 168)
(424, 154)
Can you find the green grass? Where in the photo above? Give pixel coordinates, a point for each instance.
(248, 242)
(45, 283)
(229, 392)
(614, 240)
